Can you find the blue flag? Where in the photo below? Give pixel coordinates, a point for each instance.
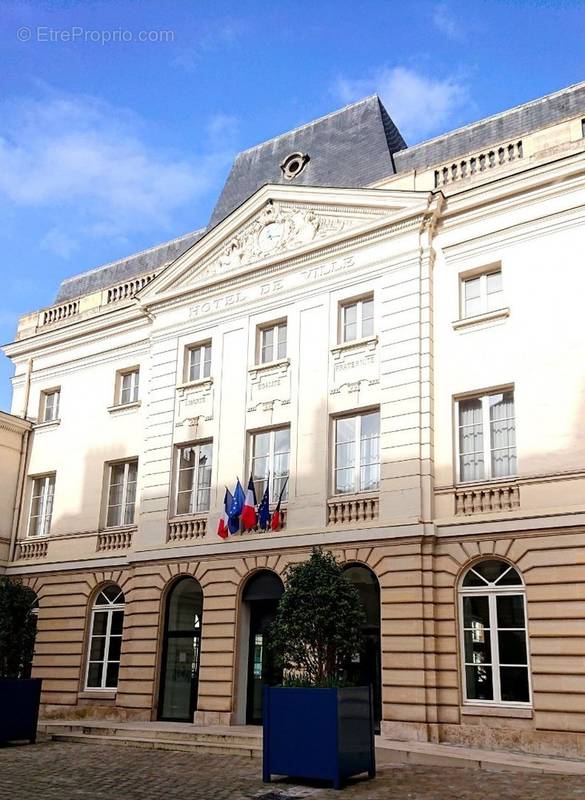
(236, 507)
(264, 509)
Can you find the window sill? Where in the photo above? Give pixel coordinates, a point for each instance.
(471, 322)
(51, 423)
(283, 363)
(486, 483)
(368, 343)
(124, 407)
(518, 712)
(204, 383)
(97, 694)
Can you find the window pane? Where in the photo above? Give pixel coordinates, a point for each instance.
(479, 683)
(112, 675)
(345, 455)
(472, 297)
(100, 622)
(503, 434)
(478, 645)
(115, 647)
(367, 317)
(494, 291)
(282, 340)
(94, 675)
(267, 345)
(117, 622)
(512, 646)
(194, 364)
(491, 569)
(282, 440)
(471, 466)
(344, 481)
(514, 684)
(207, 361)
(510, 611)
(98, 648)
(345, 430)
(350, 322)
(262, 444)
(369, 477)
(476, 610)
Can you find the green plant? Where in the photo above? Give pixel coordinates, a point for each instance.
(318, 623)
(17, 628)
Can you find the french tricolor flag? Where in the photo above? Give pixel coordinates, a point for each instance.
(249, 518)
(222, 526)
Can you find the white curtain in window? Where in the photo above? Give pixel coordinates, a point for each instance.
(502, 435)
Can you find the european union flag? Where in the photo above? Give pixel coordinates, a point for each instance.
(264, 509)
(236, 508)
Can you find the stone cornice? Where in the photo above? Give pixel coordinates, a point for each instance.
(9, 422)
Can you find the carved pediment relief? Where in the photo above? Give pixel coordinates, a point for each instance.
(278, 228)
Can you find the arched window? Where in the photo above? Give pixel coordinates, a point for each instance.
(494, 642)
(107, 620)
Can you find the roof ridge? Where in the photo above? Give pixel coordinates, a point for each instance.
(309, 124)
(131, 255)
(496, 116)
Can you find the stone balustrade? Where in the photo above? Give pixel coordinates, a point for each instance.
(182, 529)
(127, 290)
(59, 313)
(481, 499)
(481, 162)
(114, 540)
(32, 548)
(343, 510)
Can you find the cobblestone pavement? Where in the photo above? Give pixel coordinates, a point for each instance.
(51, 771)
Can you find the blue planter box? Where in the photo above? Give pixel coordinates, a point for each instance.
(19, 708)
(326, 734)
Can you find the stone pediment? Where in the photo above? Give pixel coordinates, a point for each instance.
(280, 223)
(279, 229)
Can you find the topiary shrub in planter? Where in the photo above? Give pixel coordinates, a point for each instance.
(19, 695)
(315, 725)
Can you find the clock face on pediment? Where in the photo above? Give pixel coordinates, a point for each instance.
(280, 228)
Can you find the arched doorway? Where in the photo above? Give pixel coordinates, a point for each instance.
(366, 667)
(180, 655)
(260, 601)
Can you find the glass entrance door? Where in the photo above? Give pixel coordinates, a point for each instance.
(180, 669)
(261, 667)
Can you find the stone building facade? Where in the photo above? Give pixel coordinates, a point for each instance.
(395, 330)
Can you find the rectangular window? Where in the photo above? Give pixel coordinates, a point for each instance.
(41, 509)
(481, 294)
(272, 342)
(357, 453)
(122, 493)
(128, 387)
(194, 478)
(50, 405)
(199, 362)
(271, 462)
(495, 648)
(486, 437)
(357, 319)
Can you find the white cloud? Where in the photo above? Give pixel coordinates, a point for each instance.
(78, 154)
(445, 22)
(419, 105)
(59, 242)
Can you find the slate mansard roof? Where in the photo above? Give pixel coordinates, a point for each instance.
(354, 147)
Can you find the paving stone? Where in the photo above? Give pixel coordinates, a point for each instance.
(64, 771)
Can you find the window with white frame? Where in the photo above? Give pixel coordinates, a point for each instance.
(194, 478)
(128, 385)
(50, 399)
(199, 361)
(121, 493)
(482, 293)
(357, 453)
(41, 509)
(494, 642)
(486, 437)
(272, 342)
(357, 319)
(270, 457)
(107, 622)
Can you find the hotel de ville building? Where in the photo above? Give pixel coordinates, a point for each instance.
(392, 340)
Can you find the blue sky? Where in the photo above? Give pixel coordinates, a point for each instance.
(110, 144)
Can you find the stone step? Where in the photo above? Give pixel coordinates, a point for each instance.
(428, 753)
(181, 745)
